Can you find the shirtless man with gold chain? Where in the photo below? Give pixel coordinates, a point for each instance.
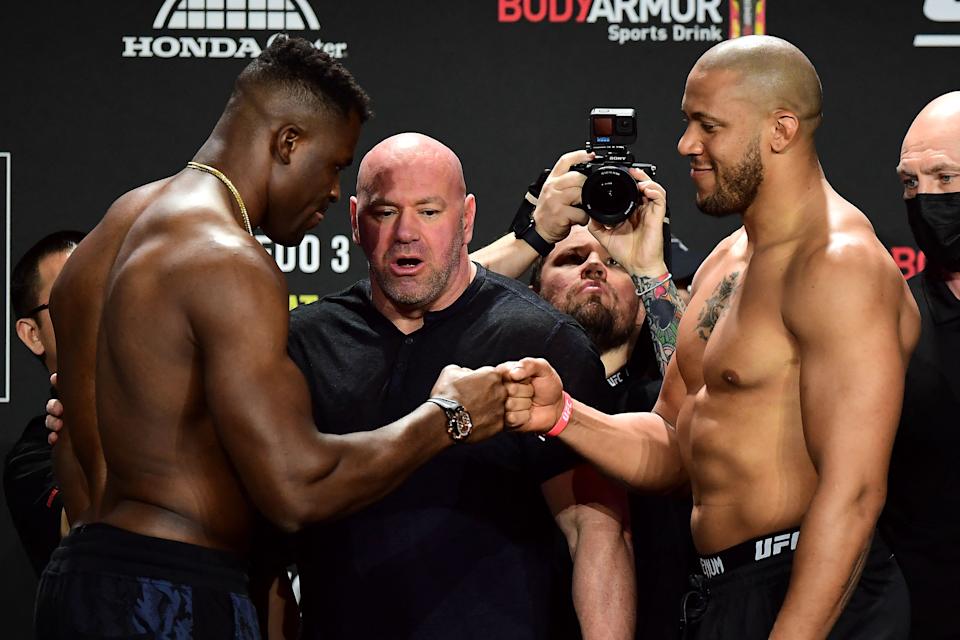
(781, 402)
(186, 422)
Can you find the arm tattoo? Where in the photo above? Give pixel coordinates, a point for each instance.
(716, 304)
(664, 309)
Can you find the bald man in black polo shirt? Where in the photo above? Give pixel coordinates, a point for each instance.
(470, 545)
(921, 520)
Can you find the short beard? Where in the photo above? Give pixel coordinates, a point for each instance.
(432, 289)
(737, 188)
(435, 285)
(605, 329)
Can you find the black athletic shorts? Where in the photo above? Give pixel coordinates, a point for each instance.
(105, 582)
(741, 589)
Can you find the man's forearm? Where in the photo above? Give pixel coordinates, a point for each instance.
(835, 539)
(368, 465)
(604, 585)
(592, 512)
(664, 309)
(509, 256)
(638, 449)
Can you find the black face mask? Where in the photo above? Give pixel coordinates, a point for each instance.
(935, 221)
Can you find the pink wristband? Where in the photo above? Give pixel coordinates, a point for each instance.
(564, 416)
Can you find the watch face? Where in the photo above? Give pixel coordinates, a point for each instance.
(460, 424)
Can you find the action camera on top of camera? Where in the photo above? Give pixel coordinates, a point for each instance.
(610, 194)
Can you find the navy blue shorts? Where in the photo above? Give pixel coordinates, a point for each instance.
(104, 582)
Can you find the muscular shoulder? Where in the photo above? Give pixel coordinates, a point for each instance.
(230, 265)
(136, 200)
(84, 275)
(731, 247)
(845, 271)
(843, 257)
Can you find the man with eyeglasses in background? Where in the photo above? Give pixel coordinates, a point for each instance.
(32, 494)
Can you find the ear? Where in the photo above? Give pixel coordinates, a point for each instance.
(285, 141)
(355, 228)
(786, 125)
(641, 316)
(469, 213)
(29, 335)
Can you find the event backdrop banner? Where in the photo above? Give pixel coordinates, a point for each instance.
(99, 97)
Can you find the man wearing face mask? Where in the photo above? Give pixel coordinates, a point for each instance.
(921, 520)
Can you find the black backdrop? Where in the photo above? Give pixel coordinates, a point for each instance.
(99, 97)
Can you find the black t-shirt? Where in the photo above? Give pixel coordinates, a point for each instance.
(921, 520)
(466, 547)
(663, 548)
(32, 494)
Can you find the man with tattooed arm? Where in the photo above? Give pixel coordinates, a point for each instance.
(633, 323)
(781, 403)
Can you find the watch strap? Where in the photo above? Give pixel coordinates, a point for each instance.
(445, 403)
(523, 226)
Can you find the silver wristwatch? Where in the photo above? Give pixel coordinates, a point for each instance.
(459, 424)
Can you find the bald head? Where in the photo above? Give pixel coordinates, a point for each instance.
(414, 220)
(771, 71)
(409, 150)
(938, 123)
(930, 154)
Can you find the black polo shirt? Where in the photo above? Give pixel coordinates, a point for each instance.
(466, 547)
(921, 520)
(636, 386)
(663, 549)
(32, 494)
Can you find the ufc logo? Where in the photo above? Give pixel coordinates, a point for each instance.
(942, 10)
(775, 545)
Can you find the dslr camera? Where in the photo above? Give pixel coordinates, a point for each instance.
(610, 194)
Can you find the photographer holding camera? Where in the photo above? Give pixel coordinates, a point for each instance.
(613, 185)
(600, 187)
(577, 275)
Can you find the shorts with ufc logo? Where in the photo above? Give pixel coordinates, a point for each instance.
(740, 594)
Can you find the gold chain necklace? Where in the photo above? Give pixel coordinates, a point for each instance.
(233, 190)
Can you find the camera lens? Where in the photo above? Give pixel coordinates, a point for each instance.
(610, 195)
(625, 126)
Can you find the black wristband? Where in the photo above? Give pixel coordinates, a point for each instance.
(535, 240)
(523, 226)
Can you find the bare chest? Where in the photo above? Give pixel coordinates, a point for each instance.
(733, 336)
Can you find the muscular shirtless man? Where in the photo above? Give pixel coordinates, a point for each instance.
(781, 402)
(172, 326)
